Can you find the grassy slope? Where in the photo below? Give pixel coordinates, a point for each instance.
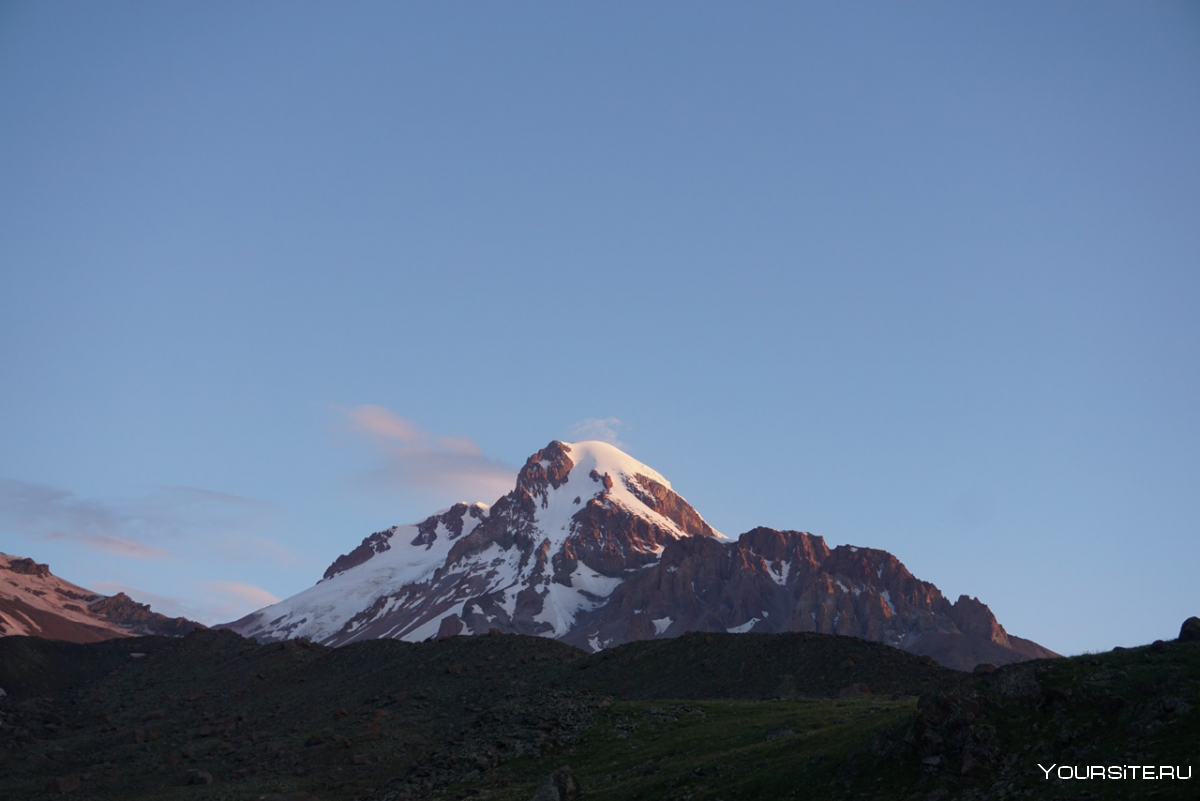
(1128, 707)
(713, 749)
(1139, 706)
(489, 717)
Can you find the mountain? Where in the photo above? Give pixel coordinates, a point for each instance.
(596, 549)
(35, 602)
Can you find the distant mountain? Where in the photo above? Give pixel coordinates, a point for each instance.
(35, 602)
(596, 549)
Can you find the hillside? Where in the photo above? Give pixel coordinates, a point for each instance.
(34, 601)
(214, 716)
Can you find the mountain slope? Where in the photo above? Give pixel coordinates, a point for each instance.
(771, 581)
(594, 548)
(580, 519)
(35, 602)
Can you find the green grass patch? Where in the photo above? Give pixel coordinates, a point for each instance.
(713, 749)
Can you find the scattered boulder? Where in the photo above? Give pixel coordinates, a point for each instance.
(946, 723)
(1190, 630)
(199, 777)
(450, 626)
(63, 785)
(1016, 682)
(971, 765)
(856, 690)
(561, 785)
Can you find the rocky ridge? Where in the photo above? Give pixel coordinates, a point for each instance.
(33, 601)
(596, 549)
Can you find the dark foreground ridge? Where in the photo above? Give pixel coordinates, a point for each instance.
(215, 716)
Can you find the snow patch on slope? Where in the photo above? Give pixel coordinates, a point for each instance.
(745, 627)
(322, 610)
(561, 604)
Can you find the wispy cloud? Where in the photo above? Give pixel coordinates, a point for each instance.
(599, 428)
(155, 526)
(418, 461)
(49, 513)
(236, 594)
(378, 421)
(120, 546)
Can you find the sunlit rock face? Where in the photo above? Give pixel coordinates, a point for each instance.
(594, 548)
(36, 603)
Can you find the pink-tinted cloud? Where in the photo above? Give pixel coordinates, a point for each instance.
(380, 422)
(239, 593)
(414, 460)
(461, 446)
(226, 601)
(117, 545)
(603, 429)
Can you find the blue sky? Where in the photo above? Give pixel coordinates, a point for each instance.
(923, 278)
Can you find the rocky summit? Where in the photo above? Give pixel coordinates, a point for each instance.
(35, 602)
(596, 549)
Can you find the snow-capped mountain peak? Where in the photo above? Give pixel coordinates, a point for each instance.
(581, 517)
(595, 548)
(554, 464)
